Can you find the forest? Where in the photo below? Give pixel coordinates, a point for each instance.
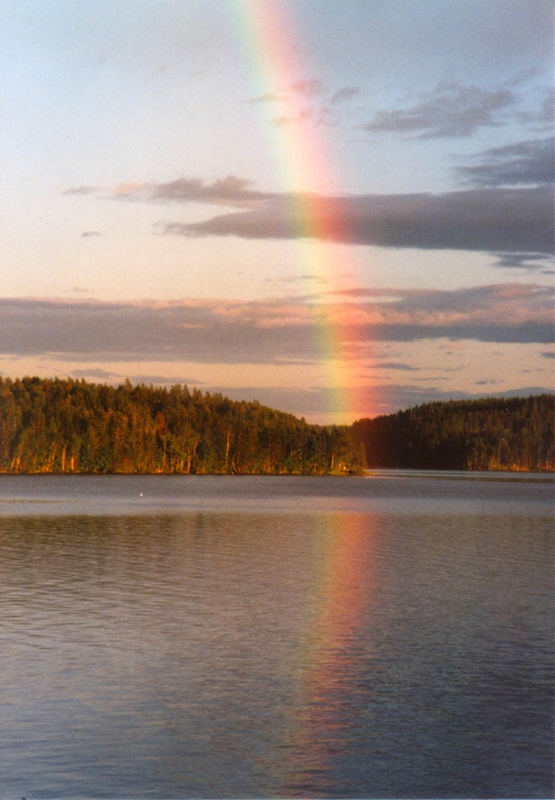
(72, 426)
(490, 434)
(68, 426)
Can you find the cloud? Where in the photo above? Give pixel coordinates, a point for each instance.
(544, 118)
(396, 365)
(269, 97)
(307, 88)
(87, 234)
(227, 190)
(272, 331)
(82, 190)
(529, 162)
(452, 110)
(491, 218)
(344, 95)
(381, 398)
(498, 220)
(93, 373)
(521, 260)
(548, 355)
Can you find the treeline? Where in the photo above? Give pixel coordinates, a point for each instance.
(489, 434)
(53, 425)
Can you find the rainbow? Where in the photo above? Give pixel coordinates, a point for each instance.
(343, 580)
(304, 159)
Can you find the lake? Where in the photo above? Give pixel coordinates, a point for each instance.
(192, 637)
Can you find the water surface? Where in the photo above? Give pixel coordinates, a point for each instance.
(388, 636)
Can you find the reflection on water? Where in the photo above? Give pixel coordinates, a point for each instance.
(254, 654)
(336, 649)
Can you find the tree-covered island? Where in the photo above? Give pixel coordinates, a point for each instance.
(70, 426)
(514, 433)
(53, 425)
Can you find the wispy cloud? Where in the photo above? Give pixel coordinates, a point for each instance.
(344, 94)
(107, 376)
(395, 365)
(451, 110)
(82, 190)
(307, 88)
(268, 97)
(544, 117)
(308, 102)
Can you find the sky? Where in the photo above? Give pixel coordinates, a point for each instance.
(339, 209)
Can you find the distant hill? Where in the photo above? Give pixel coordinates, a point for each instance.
(53, 425)
(489, 434)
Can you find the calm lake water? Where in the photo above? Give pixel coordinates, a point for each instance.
(181, 637)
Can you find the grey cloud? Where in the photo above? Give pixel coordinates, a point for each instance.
(548, 355)
(504, 220)
(523, 76)
(451, 111)
(270, 332)
(390, 398)
(95, 373)
(82, 190)
(521, 260)
(116, 377)
(528, 162)
(317, 400)
(496, 219)
(304, 115)
(382, 398)
(307, 88)
(345, 94)
(544, 118)
(227, 190)
(87, 234)
(98, 331)
(397, 365)
(269, 97)
(230, 190)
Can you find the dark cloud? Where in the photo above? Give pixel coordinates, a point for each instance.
(521, 260)
(530, 162)
(271, 331)
(498, 220)
(452, 110)
(345, 94)
(548, 355)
